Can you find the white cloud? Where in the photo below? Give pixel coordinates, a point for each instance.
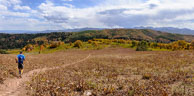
(108, 13)
(2, 7)
(152, 12)
(122, 13)
(6, 5)
(17, 14)
(10, 2)
(26, 24)
(18, 7)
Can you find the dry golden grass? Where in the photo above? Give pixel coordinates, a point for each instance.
(117, 72)
(8, 65)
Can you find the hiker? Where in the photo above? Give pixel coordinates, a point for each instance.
(20, 58)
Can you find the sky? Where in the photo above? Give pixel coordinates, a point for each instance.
(69, 14)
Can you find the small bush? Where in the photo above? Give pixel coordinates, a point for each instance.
(71, 44)
(54, 45)
(78, 44)
(28, 48)
(142, 46)
(3, 52)
(122, 41)
(61, 43)
(89, 41)
(134, 43)
(95, 44)
(41, 47)
(146, 76)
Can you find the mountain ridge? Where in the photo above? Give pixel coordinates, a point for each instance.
(174, 30)
(184, 31)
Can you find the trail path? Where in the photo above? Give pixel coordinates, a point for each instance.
(15, 86)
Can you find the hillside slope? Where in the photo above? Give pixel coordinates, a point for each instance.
(11, 41)
(132, 34)
(174, 30)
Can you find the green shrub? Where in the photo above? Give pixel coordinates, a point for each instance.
(134, 43)
(78, 44)
(142, 46)
(3, 52)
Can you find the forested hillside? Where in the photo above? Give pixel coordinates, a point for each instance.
(132, 34)
(11, 41)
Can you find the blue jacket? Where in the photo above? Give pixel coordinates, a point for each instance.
(21, 58)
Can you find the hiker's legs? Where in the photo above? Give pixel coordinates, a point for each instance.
(20, 71)
(20, 67)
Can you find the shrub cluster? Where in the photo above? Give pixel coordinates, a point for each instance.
(142, 46)
(3, 52)
(78, 43)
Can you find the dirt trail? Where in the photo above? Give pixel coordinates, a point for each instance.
(15, 86)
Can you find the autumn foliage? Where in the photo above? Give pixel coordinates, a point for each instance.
(78, 44)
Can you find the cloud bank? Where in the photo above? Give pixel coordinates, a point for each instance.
(51, 15)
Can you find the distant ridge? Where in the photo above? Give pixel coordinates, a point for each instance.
(184, 31)
(132, 34)
(47, 31)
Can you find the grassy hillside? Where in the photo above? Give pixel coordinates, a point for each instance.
(12, 41)
(132, 34)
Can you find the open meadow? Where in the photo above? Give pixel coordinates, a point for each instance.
(96, 48)
(100, 69)
(8, 68)
(111, 72)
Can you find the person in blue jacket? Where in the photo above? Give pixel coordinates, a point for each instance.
(20, 59)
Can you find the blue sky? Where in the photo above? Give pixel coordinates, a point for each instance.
(62, 14)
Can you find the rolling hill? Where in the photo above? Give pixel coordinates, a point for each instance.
(174, 30)
(132, 34)
(11, 41)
